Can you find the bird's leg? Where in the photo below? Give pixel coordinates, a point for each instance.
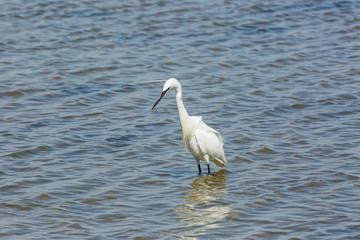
(199, 168)
(206, 158)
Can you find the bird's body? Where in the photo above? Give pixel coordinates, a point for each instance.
(202, 141)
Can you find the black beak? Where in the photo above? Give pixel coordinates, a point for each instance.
(161, 96)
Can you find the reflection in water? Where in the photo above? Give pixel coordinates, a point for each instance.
(201, 208)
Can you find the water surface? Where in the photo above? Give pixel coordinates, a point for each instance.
(83, 156)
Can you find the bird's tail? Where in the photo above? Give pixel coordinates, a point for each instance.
(220, 162)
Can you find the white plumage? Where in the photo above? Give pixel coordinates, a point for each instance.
(204, 142)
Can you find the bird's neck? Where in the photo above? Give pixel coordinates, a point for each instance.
(181, 108)
(183, 115)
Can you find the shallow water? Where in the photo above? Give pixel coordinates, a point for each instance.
(83, 156)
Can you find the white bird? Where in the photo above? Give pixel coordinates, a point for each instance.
(202, 141)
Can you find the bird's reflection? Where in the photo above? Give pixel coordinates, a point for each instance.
(202, 207)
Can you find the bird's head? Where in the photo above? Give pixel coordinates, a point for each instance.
(171, 83)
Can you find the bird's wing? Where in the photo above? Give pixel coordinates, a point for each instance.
(205, 127)
(210, 143)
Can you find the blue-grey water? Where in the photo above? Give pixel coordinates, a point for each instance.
(83, 156)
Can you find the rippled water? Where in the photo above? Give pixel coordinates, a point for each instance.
(84, 157)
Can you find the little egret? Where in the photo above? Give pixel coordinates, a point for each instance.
(202, 141)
